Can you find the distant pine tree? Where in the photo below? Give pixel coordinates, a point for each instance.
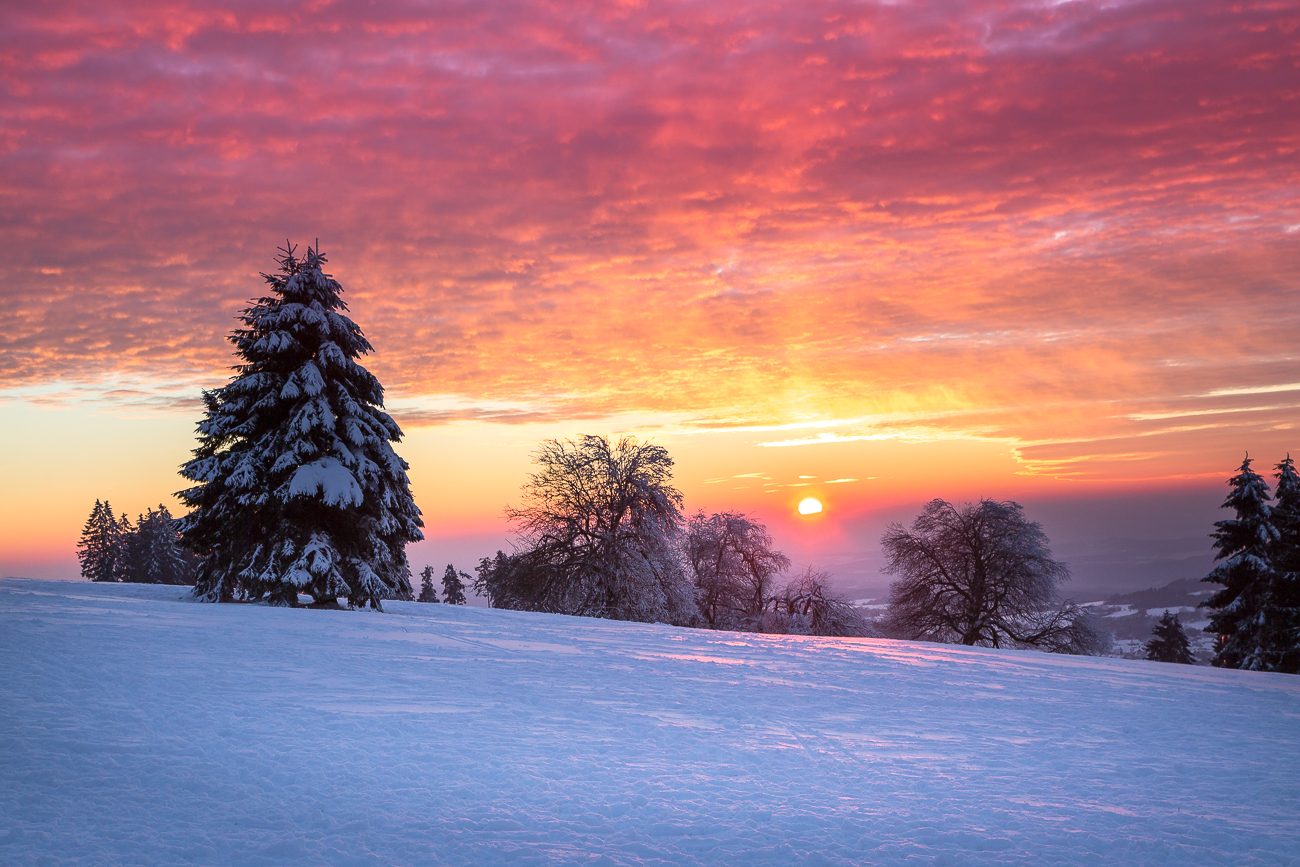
(126, 540)
(130, 552)
(1245, 544)
(98, 551)
(297, 486)
(427, 593)
(453, 587)
(1169, 642)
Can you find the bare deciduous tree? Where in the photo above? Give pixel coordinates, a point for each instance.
(598, 536)
(982, 575)
(733, 566)
(807, 606)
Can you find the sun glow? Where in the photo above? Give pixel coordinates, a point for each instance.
(809, 507)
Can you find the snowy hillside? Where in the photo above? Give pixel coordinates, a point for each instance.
(137, 728)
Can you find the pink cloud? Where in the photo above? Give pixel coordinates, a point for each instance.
(691, 207)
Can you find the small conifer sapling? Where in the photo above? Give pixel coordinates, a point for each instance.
(1168, 642)
(453, 586)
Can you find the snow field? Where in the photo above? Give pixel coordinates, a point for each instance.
(139, 728)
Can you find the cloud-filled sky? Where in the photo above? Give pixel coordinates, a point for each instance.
(1069, 231)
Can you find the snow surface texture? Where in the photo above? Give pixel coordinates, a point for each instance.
(137, 728)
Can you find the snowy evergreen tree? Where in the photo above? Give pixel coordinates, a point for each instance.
(99, 550)
(297, 486)
(1246, 544)
(453, 588)
(1281, 614)
(427, 593)
(122, 548)
(131, 553)
(1169, 642)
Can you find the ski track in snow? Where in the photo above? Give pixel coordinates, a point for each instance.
(139, 728)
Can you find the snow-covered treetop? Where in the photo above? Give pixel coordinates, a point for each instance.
(1249, 494)
(1245, 537)
(1288, 484)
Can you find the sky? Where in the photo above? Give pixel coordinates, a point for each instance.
(871, 252)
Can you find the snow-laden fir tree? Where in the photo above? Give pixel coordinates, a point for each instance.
(1246, 544)
(427, 593)
(297, 486)
(132, 552)
(1168, 642)
(99, 550)
(453, 586)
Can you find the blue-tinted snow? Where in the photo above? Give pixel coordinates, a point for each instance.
(138, 728)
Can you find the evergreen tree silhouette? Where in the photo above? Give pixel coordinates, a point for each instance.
(427, 593)
(453, 586)
(99, 550)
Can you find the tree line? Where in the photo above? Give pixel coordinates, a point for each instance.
(296, 489)
(150, 552)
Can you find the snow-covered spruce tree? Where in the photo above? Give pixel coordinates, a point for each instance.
(298, 489)
(427, 593)
(125, 542)
(1245, 544)
(99, 550)
(1168, 642)
(1282, 607)
(453, 587)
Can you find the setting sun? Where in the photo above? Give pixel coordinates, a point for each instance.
(810, 507)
